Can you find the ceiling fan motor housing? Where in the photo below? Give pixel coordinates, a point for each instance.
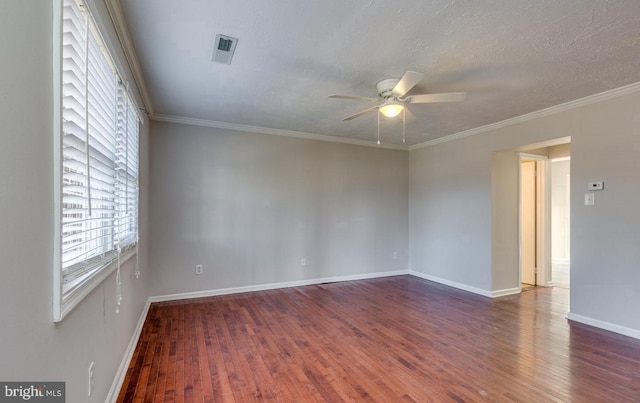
(393, 92)
(385, 87)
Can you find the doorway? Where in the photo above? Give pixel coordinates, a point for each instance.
(506, 274)
(533, 221)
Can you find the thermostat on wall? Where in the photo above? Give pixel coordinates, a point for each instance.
(595, 185)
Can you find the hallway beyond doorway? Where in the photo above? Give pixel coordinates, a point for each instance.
(560, 274)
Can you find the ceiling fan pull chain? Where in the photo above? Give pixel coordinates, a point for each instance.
(404, 119)
(378, 114)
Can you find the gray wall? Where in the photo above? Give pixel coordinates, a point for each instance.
(605, 258)
(452, 193)
(32, 347)
(249, 207)
(560, 211)
(450, 212)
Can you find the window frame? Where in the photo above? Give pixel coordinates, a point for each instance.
(68, 294)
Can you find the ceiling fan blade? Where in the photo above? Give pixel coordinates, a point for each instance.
(445, 97)
(356, 115)
(408, 81)
(409, 117)
(352, 97)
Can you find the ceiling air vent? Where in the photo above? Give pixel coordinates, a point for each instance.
(224, 48)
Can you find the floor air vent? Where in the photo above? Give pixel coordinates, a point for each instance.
(224, 48)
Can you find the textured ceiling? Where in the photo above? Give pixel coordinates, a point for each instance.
(512, 57)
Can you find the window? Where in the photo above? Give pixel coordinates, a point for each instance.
(97, 162)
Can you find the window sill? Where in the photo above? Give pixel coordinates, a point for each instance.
(82, 286)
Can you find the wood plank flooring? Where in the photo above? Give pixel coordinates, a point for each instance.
(388, 340)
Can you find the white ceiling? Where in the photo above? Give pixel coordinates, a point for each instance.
(512, 57)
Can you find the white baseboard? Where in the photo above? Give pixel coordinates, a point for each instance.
(126, 360)
(465, 287)
(273, 286)
(626, 331)
(453, 284)
(504, 292)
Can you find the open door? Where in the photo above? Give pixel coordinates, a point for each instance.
(528, 227)
(533, 220)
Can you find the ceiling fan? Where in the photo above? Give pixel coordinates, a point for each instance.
(393, 91)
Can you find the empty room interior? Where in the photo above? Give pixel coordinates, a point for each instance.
(374, 200)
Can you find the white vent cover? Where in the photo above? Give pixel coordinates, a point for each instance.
(223, 49)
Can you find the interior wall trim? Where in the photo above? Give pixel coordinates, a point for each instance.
(610, 94)
(626, 331)
(124, 37)
(505, 292)
(450, 283)
(614, 93)
(276, 132)
(116, 385)
(274, 286)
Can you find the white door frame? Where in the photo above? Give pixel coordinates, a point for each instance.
(543, 218)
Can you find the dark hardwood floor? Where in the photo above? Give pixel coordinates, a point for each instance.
(390, 339)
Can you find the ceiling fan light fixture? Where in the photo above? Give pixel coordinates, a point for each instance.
(391, 109)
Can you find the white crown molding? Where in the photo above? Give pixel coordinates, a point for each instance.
(124, 37)
(277, 132)
(614, 93)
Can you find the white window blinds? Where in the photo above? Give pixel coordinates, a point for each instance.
(127, 171)
(99, 154)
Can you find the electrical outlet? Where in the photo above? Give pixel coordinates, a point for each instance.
(90, 378)
(303, 262)
(199, 269)
(395, 255)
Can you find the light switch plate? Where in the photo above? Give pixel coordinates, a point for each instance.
(589, 199)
